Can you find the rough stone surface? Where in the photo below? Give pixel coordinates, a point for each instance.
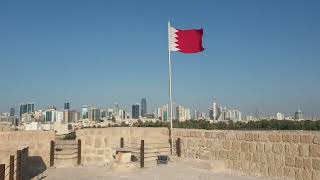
(288, 154)
(37, 141)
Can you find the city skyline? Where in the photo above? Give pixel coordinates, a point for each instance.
(259, 55)
(210, 111)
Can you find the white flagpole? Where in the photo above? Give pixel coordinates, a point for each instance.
(170, 89)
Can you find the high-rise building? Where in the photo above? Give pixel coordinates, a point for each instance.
(66, 105)
(122, 114)
(94, 114)
(135, 111)
(53, 116)
(110, 113)
(116, 109)
(103, 113)
(12, 112)
(298, 115)
(182, 113)
(26, 108)
(196, 115)
(143, 107)
(84, 112)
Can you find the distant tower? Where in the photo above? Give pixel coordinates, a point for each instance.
(298, 115)
(116, 109)
(257, 114)
(84, 112)
(143, 107)
(12, 112)
(26, 108)
(135, 111)
(66, 105)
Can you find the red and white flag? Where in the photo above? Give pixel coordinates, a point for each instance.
(185, 41)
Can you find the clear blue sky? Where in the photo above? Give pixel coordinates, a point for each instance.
(258, 54)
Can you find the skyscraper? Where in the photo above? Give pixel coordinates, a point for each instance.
(298, 115)
(143, 107)
(26, 108)
(84, 112)
(12, 112)
(94, 114)
(66, 105)
(135, 111)
(116, 109)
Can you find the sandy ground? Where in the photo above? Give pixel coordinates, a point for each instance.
(183, 170)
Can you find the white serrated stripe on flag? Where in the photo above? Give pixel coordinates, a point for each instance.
(173, 39)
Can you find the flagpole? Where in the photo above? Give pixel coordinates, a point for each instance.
(170, 89)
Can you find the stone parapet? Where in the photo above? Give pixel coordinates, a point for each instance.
(288, 154)
(37, 141)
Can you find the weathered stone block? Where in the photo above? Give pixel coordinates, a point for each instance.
(207, 134)
(307, 164)
(270, 159)
(244, 146)
(240, 135)
(263, 137)
(245, 165)
(316, 164)
(236, 165)
(296, 138)
(289, 161)
(273, 171)
(236, 146)
(287, 138)
(315, 175)
(275, 137)
(299, 162)
(303, 175)
(217, 144)
(233, 155)
(277, 148)
(209, 143)
(256, 157)
(252, 147)
(231, 136)
(223, 154)
(263, 169)
(260, 147)
(268, 147)
(199, 134)
(227, 145)
(263, 159)
(306, 138)
(289, 172)
(291, 149)
(249, 137)
(316, 139)
(248, 156)
(303, 150)
(315, 151)
(221, 135)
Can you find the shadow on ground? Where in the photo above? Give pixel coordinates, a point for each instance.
(36, 167)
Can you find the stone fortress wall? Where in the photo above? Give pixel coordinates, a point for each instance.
(99, 144)
(287, 154)
(37, 141)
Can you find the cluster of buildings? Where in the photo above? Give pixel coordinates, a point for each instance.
(66, 119)
(217, 113)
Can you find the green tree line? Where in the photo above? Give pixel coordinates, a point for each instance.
(251, 125)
